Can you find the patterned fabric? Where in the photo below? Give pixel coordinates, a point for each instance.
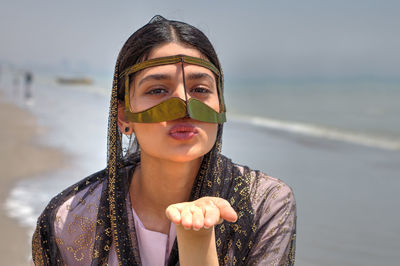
(91, 223)
(71, 231)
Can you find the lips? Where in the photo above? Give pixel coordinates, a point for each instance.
(183, 131)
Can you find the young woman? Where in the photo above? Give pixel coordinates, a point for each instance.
(172, 198)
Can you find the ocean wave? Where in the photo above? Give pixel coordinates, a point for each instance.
(18, 206)
(320, 132)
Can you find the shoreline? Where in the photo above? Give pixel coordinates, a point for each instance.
(21, 157)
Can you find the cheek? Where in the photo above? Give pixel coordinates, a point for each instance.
(214, 104)
(210, 130)
(138, 103)
(147, 134)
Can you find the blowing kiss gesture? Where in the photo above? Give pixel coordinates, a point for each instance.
(195, 223)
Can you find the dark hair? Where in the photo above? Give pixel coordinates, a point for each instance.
(160, 31)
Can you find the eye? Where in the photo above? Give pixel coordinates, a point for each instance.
(201, 90)
(157, 91)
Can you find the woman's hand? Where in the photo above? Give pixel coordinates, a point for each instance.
(205, 213)
(197, 247)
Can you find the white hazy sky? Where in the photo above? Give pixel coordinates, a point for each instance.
(277, 38)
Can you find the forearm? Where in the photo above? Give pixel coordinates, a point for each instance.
(197, 247)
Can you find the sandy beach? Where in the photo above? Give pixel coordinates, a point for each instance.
(20, 158)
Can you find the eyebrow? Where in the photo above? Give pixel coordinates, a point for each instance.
(200, 75)
(191, 76)
(155, 77)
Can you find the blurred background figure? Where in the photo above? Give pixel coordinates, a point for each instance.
(28, 93)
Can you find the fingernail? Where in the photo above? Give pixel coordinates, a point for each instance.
(206, 227)
(196, 229)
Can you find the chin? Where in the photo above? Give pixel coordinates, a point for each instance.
(179, 155)
(184, 157)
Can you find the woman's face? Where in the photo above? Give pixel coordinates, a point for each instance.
(183, 139)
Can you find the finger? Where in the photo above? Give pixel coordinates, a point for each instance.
(179, 206)
(211, 215)
(173, 214)
(197, 218)
(186, 217)
(225, 209)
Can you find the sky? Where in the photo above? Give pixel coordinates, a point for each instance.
(270, 38)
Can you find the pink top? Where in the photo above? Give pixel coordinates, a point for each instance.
(154, 247)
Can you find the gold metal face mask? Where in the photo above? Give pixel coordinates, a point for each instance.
(175, 107)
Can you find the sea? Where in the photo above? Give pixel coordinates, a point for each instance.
(335, 142)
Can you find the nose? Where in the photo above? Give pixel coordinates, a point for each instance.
(181, 90)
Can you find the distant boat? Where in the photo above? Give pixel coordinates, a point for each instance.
(74, 81)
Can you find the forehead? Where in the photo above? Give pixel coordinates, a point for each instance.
(173, 71)
(171, 49)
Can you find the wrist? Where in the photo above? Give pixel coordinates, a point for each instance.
(196, 247)
(191, 233)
